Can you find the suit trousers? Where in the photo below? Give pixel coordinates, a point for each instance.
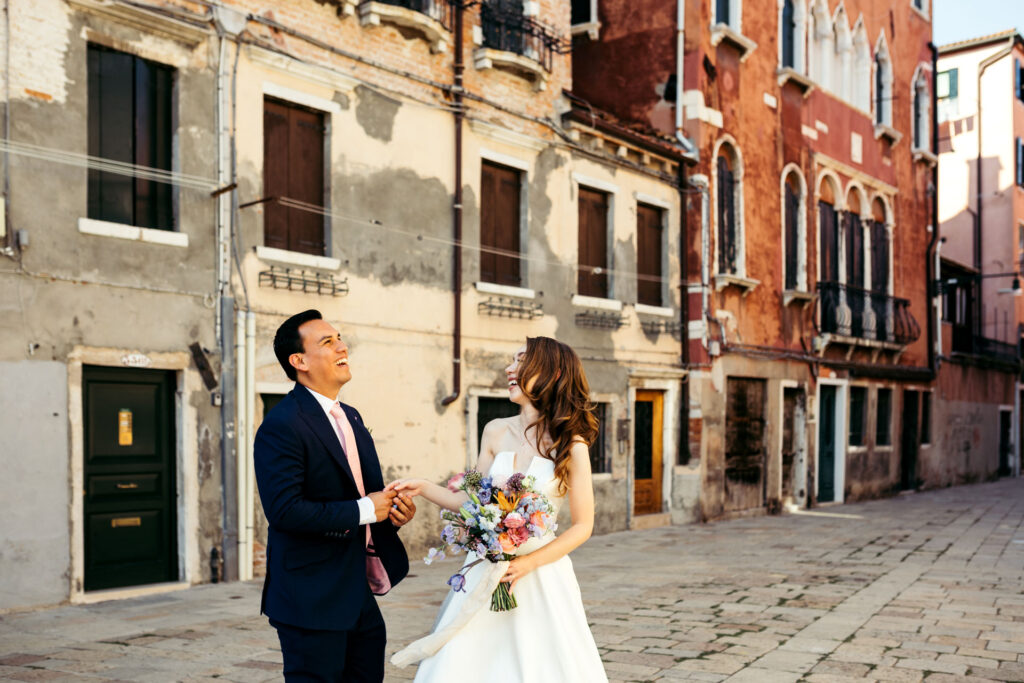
(353, 656)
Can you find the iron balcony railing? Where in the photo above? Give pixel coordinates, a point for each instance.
(439, 10)
(855, 312)
(965, 341)
(506, 29)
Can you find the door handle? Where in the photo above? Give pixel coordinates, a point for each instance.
(132, 485)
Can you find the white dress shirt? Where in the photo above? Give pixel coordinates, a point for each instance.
(367, 515)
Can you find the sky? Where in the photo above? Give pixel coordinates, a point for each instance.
(956, 20)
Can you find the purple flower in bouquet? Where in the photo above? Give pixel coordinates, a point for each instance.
(457, 582)
(516, 483)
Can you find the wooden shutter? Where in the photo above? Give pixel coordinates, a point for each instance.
(726, 217)
(829, 243)
(879, 258)
(293, 168)
(649, 231)
(153, 142)
(499, 225)
(854, 250)
(792, 237)
(593, 243)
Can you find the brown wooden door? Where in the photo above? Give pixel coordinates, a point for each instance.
(744, 444)
(649, 241)
(647, 452)
(593, 243)
(790, 396)
(293, 169)
(499, 225)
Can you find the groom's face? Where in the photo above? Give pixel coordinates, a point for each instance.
(324, 359)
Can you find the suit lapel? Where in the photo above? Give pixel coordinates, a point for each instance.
(320, 425)
(373, 480)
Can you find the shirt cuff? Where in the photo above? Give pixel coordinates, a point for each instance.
(367, 514)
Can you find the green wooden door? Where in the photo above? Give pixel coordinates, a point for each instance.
(129, 477)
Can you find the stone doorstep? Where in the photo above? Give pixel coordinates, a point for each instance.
(651, 521)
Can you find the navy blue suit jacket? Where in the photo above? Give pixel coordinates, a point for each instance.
(316, 550)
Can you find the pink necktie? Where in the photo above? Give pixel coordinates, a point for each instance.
(375, 573)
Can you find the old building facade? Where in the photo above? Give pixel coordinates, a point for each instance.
(809, 229)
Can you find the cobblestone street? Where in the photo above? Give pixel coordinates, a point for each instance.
(928, 586)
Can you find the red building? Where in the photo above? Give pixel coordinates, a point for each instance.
(809, 232)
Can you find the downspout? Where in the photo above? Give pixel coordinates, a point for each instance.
(937, 302)
(700, 182)
(684, 320)
(684, 142)
(931, 269)
(460, 114)
(8, 238)
(985, 63)
(242, 434)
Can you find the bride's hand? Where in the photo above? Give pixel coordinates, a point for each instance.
(517, 569)
(410, 487)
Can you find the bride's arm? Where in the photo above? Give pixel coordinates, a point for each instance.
(440, 495)
(581, 504)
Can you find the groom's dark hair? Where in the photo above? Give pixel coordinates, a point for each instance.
(288, 340)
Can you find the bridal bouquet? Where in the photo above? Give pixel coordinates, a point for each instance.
(493, 523)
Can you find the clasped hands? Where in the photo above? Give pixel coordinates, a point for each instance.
(393, 505)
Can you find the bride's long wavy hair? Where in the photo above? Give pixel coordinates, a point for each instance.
(561, 394)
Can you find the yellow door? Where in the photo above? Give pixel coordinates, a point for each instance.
(647, 449)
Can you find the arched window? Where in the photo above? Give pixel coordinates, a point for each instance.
(921, 112)
(822, 44)
(788, 34)
(861, 68)
(729, 214)
(855, 291)
(883, 84)
(880, 268)
(794, 232)
(828, 255)
(842, 65)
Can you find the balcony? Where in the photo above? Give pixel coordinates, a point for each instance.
(964, 341)
(432, 18)
(509, 39)
(858, 317)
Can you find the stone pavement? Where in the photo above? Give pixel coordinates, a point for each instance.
(928, 586)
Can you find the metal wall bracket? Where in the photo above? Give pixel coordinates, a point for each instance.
(673, 327)
(510, 308)
(303, 281)
(608, 320)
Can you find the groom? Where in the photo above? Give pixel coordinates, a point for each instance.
(333, 541)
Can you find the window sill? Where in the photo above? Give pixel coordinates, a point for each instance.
(725, 33)
(791, 295)
(591, 28)
(924, 156)
(883, 130)
(581, 301)
(723, 280)
(90, 226)
(505, 290)
(373, 13)
(296, 258)
(658, 311)
(788, 74)
(489, 58)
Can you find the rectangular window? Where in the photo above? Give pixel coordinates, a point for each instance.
(1018, 80)
(858, 415)
(722, 12)
(727, 237)
(883, 419)
(792, 236)
(581, 12)
(491, 408)
(946, 84)
(293, 174)
(1020, 162)
(130, 121)
(649, 236)
(593, 243)
(926, 417)
(599, 460)
(499, 225)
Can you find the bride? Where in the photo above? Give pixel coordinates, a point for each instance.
(545, 639)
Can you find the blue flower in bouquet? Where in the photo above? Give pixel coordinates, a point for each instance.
(433, 554)
(457, 582)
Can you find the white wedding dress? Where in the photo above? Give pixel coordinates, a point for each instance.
(545, 639)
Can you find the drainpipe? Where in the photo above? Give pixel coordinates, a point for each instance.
(700, 181)
(242, 435)
(937, 303)
(457, 212)
(248, 492)
(931, 267)
(684, 319)
(690, 149)
(985, 63)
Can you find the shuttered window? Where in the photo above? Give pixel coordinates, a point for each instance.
(792, 230)
(293, 174)
(593, 243)
(499, 225)
(727, 237)
(649, 231)
(130, 121)
(829, 242)
(879, 258)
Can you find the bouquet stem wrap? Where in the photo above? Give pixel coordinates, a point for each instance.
(477, 599)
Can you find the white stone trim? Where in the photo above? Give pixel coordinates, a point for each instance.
(659, 311)
(295, 258)
(594, 183)
(505, 290)
(643, 198)
(144, 20)
(500, 134)
(294, 96)
(312, 73)
(91, 226)
(274, 387)
(504, 159)
(695, 108)
(581, 301)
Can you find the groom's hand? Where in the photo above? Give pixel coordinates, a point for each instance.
(402, 510)
(381, 503)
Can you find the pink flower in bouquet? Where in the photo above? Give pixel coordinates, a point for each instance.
(537, 520)
(507, 545)
(456, 482)
(519, 535)
(514, 520)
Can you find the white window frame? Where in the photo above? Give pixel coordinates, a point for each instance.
(741, 249)
(801, 223)
(592, 27)
(919, 87)
(578, 180)
(799, 34)
(523, 167)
